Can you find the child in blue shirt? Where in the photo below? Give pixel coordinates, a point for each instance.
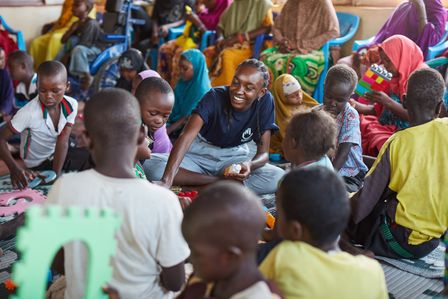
(340, 83)
(217, 136)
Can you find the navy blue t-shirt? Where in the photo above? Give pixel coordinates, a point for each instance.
(225, 127)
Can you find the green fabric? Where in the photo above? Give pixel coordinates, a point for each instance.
(139, 172)
(306, 68)
(244, 16)
(393, 244)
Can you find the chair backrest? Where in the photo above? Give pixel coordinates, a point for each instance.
(18, 34)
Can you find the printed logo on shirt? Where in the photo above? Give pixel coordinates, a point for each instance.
(247, 135)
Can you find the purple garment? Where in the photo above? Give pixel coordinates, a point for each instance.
(404, 21)
(162, 143)
(6, 92)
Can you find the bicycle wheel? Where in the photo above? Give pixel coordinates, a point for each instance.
(107, 76)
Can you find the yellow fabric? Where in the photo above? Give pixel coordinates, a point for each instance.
(185, 41)
(230, 58)
(419, 175)
(47, 46)
(284, 112)
(302, 271)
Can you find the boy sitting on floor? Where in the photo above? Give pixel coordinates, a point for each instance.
(149, 262)
(340, 83)
(21, 68)
(45, 124)
(217, 136)
(402, 210)
(223, 246)
(313, 210)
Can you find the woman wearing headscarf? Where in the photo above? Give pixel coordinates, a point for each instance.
(289, 99)
(422, 21)
(401, 57)
(47, 46)
(130, 63)
(300, 31)
(196, 25)
(192, 85)
(238, 26)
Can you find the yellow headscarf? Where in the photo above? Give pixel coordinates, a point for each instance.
(284, 112)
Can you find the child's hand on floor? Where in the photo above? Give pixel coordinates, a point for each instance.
(20, 177)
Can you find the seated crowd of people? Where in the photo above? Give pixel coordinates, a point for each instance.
(363, 176)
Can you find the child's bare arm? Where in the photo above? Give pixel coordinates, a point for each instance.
(61, 149)
(193, 18)
(174, 126)
(341, 155)
(173, 278)
(19, 176)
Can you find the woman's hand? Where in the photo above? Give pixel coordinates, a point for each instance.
(379, 97)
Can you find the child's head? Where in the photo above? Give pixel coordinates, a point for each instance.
(424, 97)
(289, 90)
(339, 85)
(142, 76)
(131, 62)
(51, 83)
(81, 8)
(249, 83)
(222, 228)
(2, 58)
(302, 144)
(313, 206)
(113, 123)
(192, 63)
(143, 150)
(20, 65)
(156, 100)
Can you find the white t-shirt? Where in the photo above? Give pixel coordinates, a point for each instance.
(38, 133)
(149, 237)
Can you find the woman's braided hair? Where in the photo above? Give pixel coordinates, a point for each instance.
(260, 66)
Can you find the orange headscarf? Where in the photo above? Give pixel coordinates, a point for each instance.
(406, 56)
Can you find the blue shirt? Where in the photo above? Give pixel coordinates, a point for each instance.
(225, 127)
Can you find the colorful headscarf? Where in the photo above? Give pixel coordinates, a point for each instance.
(188, 93)
(406, 56)
(210, 18)
(307, 24)
(244, 16)
(284, 112)
(148, 74)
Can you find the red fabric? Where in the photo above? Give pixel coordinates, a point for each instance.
(406, 56)
(7, 43)
(374, 134)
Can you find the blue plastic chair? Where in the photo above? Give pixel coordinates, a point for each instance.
(433, 51)
(18, 34)
(348, 25)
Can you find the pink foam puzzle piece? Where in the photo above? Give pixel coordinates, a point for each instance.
(25, 198)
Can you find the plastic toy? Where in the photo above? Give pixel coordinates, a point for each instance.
(45, 177)
(17, 202)
(376, 78)
(232, 169)
(192, 195)
(10, 285)
(46, 229)
(270, 220)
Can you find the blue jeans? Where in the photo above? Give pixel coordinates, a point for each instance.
(81, 58)
(205, 158)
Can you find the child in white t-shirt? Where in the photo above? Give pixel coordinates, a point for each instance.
(45, 124)
(149, 261)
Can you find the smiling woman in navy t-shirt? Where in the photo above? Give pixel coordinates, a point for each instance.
(217, 133)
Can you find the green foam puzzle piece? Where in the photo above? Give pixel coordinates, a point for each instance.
(46, 229)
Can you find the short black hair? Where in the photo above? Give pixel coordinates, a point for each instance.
(260, 66)
(303, 127)
(52, 68)
(425, 91)
(316, 198)
(112, 117)
(342, 73)
(20, 56)
(226, 214)
(150, 85)
(89, 4)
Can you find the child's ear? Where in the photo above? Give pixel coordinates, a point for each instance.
(68, 87)
(439, 108)
(404, 102)
(141, 135)
(262, 92)
(88, 141)
(295, 230)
